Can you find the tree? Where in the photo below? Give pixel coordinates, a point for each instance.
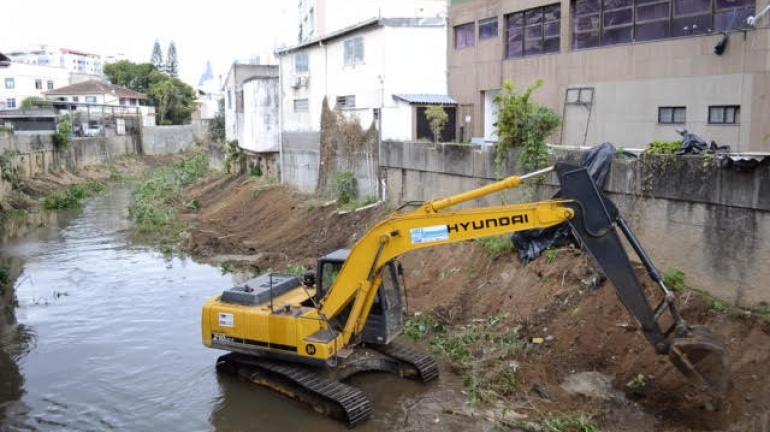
(173, 99)
(438, 119)
(157, 56)
(172, 64)
(525, 124)
(32, 102)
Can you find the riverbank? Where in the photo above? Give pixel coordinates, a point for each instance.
(542, 347)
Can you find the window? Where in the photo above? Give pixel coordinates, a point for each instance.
(75, 99)
(348, 101)
(38, 84)
(50, 84)
(534, 31)
(10, 83)
(301, 62)
(465, 36)
(91, 99)
(10, 103)
(609, 22)
(672, 115)
(488, 28)
(354, 51)
(229, 99)
(724, 114)
(301, 105)
(580, 96)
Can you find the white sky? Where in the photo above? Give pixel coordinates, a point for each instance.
(220, 30)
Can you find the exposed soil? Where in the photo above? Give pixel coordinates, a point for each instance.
(563, 300)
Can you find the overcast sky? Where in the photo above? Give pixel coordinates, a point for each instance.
(220, 31)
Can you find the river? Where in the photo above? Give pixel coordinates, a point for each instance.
(108, 338)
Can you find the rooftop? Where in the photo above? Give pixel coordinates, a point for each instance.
(425, 99)
(93, 87)
(366, 24)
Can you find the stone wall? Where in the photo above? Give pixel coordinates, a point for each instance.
(712, 223)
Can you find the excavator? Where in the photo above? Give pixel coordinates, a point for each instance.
(304, 338)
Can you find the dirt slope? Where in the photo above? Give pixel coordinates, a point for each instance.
(562, 300)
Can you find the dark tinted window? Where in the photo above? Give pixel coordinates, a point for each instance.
(534, 31)
(488, 28)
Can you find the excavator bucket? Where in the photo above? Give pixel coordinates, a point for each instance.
(694, 350)
(700, 356)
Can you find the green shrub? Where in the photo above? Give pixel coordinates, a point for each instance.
(659, 147)
(675, 279)
(346, 187)
(155, 200)
(438, 118)
(73, 197)
(63, 136)
(497, 246)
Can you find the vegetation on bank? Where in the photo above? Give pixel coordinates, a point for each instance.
(154, 208)
(73, 197)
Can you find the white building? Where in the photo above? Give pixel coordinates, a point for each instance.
(96, 92)
(236, 110)
(368, 72)
(72, 60)
(320, 17)
(209, 91)
(19, 81)
(359, 70)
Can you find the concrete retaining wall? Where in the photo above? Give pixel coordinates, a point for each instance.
(158, 140)
(301, 160)
(712, 223)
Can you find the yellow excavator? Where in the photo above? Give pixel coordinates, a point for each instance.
(303, 338)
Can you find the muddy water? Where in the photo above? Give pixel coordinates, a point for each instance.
(107, 338)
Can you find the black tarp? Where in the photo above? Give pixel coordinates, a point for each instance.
(531, 244)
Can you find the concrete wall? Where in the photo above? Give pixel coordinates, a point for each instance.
(712, 223)
(301, 160)
(157, 140)
(630, 80)
(260, 115)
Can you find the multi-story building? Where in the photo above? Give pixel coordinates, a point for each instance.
(19, 81)
(381, 72)
(72, 60)
(241, 102)
(624, 71)
(319, 17)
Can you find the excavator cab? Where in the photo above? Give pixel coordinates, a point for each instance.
(386, 319)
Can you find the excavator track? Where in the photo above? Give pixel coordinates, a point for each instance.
(326, 396)
(422, 362)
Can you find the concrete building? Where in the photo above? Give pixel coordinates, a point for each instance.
(358, 70)
(320, 17)
(236, 110)
(209, 91)
(624, 71)
(72, 60)
(19, 81)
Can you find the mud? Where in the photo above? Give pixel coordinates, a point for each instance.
(562, 300)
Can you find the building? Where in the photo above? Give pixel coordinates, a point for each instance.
(239, 74)
(625, 71)
(95, 92)
(357, 70)
(19, 81)
(209, 92)
(78, 62)
(320, 17)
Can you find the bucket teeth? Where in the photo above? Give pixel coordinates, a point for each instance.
(702, 356)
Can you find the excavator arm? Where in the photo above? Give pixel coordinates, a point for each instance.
(593, 219)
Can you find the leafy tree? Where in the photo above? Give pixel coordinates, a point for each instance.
(173, 99)
(525, 124)
(157, 56)
(172, 64)
(31, 102)
(438, 118)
